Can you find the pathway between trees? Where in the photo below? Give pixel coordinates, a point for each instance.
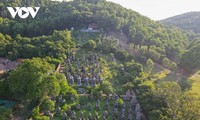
(124, 45)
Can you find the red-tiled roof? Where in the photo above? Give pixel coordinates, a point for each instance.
(93, 25)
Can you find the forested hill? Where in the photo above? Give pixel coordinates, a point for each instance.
(187, 21)
(163, 40)
(100, 48)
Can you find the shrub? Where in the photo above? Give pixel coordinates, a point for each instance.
(120, 102)
(48, 105)
(90, 45)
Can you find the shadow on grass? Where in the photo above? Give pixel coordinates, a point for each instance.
(184, 81)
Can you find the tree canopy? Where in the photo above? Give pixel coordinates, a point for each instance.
(190, 60)
(35, 79)
(79, 14)
(55, 46)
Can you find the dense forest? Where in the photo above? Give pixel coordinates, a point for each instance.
(187, 21)
(109, 17)
(56, 46)
(55, 38)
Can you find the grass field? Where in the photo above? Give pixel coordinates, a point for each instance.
(159, 73)
(191, 84)
(195, 84)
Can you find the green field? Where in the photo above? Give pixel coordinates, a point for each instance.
(190, 84)
(195, 84)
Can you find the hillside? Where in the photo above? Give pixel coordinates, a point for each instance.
(187, 21)
(79, 14)
(93, 59)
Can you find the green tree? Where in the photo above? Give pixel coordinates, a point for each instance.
(143, 49)
(190, 108)
(90, 45)
(150, 65)
(5, 114)
(190, 59)
(166, 62)
(171, 98)
(131, 45)
(121, 55)
(120, 102)
(134, 69)
(129, 86)
(179, 106)
(64, 87)
(106, 87)
(154, 54)
(35, 112)
(48, 105)
(173, 66)
(33, 79)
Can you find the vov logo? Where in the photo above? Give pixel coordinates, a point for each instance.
(23, 12)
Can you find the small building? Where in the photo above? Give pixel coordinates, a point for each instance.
(6, 65)
(91, 28)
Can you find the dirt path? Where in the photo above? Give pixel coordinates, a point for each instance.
(123, 42)
(124, 45)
